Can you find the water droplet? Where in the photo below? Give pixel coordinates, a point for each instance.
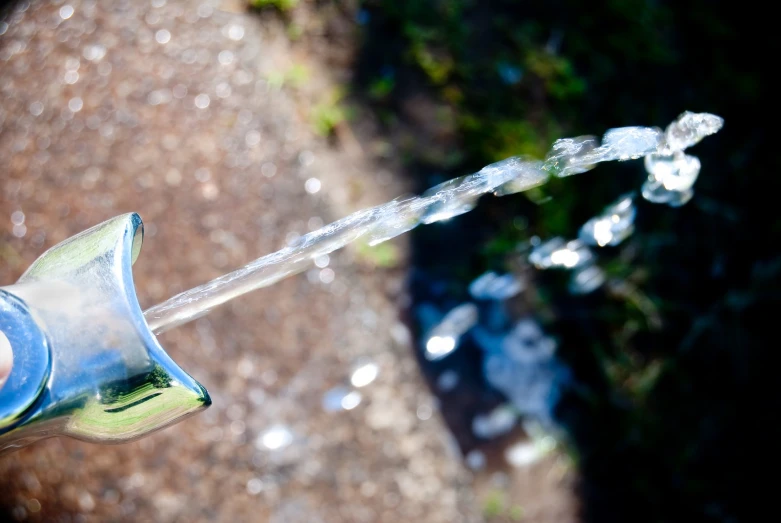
(688, 129)
(424, 412)
(570, 156)
(254, 486)
(450, 199)
(351, 400)
(252, 139)
(364, 375)
(440, 346)
(223, 90)
(522, 454)
(225, 57)
(444, 337)
(475, 460)
(163, 36)
(448, 380)
(235, 32)
(586, 279)
(322, 261)
(159, 96)
(510, 74)
(71, 77)
(527, 343)
(202, 101)
(312, 185)
(341, 398)
(496, 423)
(611, 227)
(36, 108)
(556, 253)
(210, 191)
(94, 53)
(237, 427)
(86, 502)
(520, 172)
(66, 11)
(327, 275)
(275, 438)
(306, 158)
(180, 91)
(33, 505)
(202, 174)
(677, 172)
(173, 177)
(75, 104)
(491, 286)
(269, 169)
(627, 143)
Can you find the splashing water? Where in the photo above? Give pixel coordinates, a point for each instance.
(378, 224)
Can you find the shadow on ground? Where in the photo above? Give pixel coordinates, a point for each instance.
(666, 424)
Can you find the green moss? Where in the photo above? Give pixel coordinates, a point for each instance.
(516, 513)
(327, 115)
(385, 255)
(493, 505)
(438, 65)
(295, 76)
(281, 5)
(380, 88)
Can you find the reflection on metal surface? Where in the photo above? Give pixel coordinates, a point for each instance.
(110, 380)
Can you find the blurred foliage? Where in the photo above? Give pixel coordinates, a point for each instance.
(493, 504)
(159, 377)
(384, 255)
(281, 5)
(496, 508)
(329, 113)
(673, 355)
(295, 76)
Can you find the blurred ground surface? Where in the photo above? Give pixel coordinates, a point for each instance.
(189, 114)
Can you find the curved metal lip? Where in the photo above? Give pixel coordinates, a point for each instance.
(107, 378)
(32, 363)
(199, 395)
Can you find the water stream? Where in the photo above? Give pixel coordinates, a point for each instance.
(670, 181)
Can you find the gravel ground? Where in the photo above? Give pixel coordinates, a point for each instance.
(177, 111)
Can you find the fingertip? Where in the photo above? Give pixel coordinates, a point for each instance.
(6, 358)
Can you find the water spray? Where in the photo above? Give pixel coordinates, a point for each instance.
(86, 359)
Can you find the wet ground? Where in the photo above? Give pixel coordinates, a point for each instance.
(197, 116)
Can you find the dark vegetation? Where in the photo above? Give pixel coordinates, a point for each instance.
(675, 413)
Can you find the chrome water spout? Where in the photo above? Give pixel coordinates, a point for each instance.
(85, 363)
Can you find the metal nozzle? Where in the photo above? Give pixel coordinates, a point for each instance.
(85, 363)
